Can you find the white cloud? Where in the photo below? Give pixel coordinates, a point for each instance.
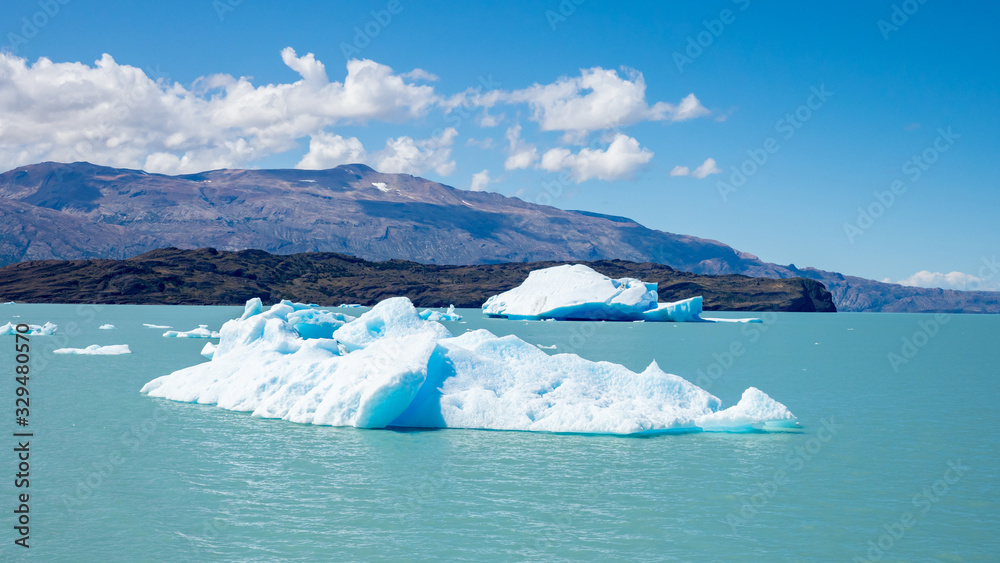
(486, 120)
(621, 159)
(486, 143)
(951, 280)
(116, 115)
(480, 180)
(327, 150)
(420, 74)
(707, 168)
(405, 155)
(597, 99)
(519, 153)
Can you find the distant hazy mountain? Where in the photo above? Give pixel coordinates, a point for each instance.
(73, 211)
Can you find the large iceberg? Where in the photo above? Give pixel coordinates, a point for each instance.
(389, 367)
(577, 292)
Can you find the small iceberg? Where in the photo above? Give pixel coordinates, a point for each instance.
(95, 350)
(200, 332)
(391, 368)
(209, 350)
(449, 315)
(576, 292)
(47, 329)
(107, 327)
(156, 326)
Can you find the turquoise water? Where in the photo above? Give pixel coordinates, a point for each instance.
(893, 464)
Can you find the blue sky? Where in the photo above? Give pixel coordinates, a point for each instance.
(922, 84)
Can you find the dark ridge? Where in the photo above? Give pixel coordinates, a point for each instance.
(211, 277)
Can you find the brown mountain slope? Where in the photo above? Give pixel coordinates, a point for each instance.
(73, 211)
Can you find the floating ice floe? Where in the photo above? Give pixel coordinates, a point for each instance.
(389, 367)
(209, 350)
(156, 326)
(576, 292)
(349, 306)
(201, 332)
(449, 315)
(107, 327)
(47, 329)
(95, 350)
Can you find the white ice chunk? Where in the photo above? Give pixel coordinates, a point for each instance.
(392, 318)
(449, 315)
(156, 326)
(47, 329)
(201, 332)
(107, 327)
(389, 367)
(209, 350)
(577, 292)
(96, 350)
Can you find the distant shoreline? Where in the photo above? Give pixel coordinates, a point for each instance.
(172, 276)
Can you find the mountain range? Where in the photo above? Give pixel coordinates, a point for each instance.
(80, 211)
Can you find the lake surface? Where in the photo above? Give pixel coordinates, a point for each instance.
(898, 459)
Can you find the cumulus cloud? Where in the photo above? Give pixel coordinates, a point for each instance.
(951, 280)
(117, 115)
(621, 159)
(486, 143)
(409, 156)
(480, 180)
(519, 153)
(706, 168)
(599, 99)
(327, 150)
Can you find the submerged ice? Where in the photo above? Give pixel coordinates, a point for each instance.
(577, 292)
(390, 367)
